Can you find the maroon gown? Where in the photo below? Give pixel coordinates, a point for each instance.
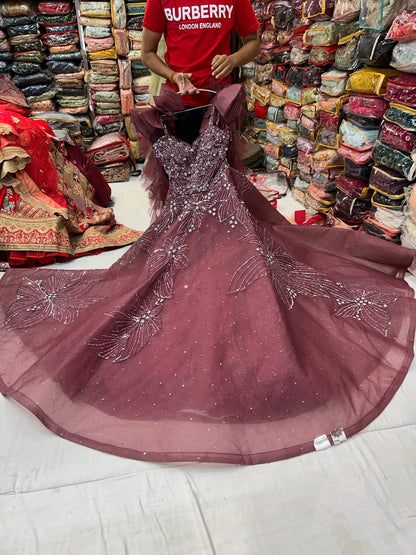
(224, 334)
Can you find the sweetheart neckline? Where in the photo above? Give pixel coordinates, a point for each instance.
(191, 146)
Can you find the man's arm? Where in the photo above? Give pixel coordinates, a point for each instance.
(150, 42)
(222, 65)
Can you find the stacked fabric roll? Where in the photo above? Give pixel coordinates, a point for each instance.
(6, 56)
(110, 76)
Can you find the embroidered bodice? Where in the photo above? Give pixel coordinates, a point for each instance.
(192, 168)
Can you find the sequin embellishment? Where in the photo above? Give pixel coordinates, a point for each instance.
(60, 296)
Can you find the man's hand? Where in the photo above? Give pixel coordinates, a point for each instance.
(184, 84)
(222, 65)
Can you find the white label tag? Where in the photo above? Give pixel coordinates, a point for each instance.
(338, 436)
(322, 442)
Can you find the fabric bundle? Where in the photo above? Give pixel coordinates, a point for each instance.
(111, 153)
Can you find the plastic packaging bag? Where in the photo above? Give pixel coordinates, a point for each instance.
(310, 110)
(367, 105)
(97, 32)
(334, 82)
(346, 11)
(306, 146)
(263, 73)
(329, 120)
(29, 29)
(333, 103)
(357, 171)
(323, 55)
(379, 15)
(357, 137)
(386, 201)
(374, 49)
(386, 155)
(322, 33)
(318, 9)
(118, 14)
(397, 137)
(55, 7)
(292, 111)
(326, 158)
(403, 28)
(281, 55)
(327, 138)
(353, 187)
(280, 71)
(402, 89)
(359, 156)
(299, 56)
(401, 115)
(283, 16)
(95, 9)
(17, 8)
(350, 209)
(32, 79)
(387, 181)
(60, 19)
(275, 114)
(370, 80)
(404, 57)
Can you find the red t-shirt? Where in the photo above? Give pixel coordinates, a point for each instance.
(197, 30)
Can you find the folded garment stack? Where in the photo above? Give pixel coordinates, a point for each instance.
(111, 153)
(140, 74)
(110, 76)
(6, 56)
(22, 53)
(102, 58)
(394, 172)
(58, 21)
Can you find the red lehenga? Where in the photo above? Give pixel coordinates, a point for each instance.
(49, 193)
(224, 334)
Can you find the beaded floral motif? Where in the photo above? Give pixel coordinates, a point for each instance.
(292, 278)
(164, 262)
(60, 296)
(368, 306)
(131, 330)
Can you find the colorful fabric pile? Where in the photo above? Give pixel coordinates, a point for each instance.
(52, 197)
(64, 60)
(23, 50)
(111, 54)
(78, 63)
(331, 100)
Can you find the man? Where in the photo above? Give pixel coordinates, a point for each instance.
(198, 35)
